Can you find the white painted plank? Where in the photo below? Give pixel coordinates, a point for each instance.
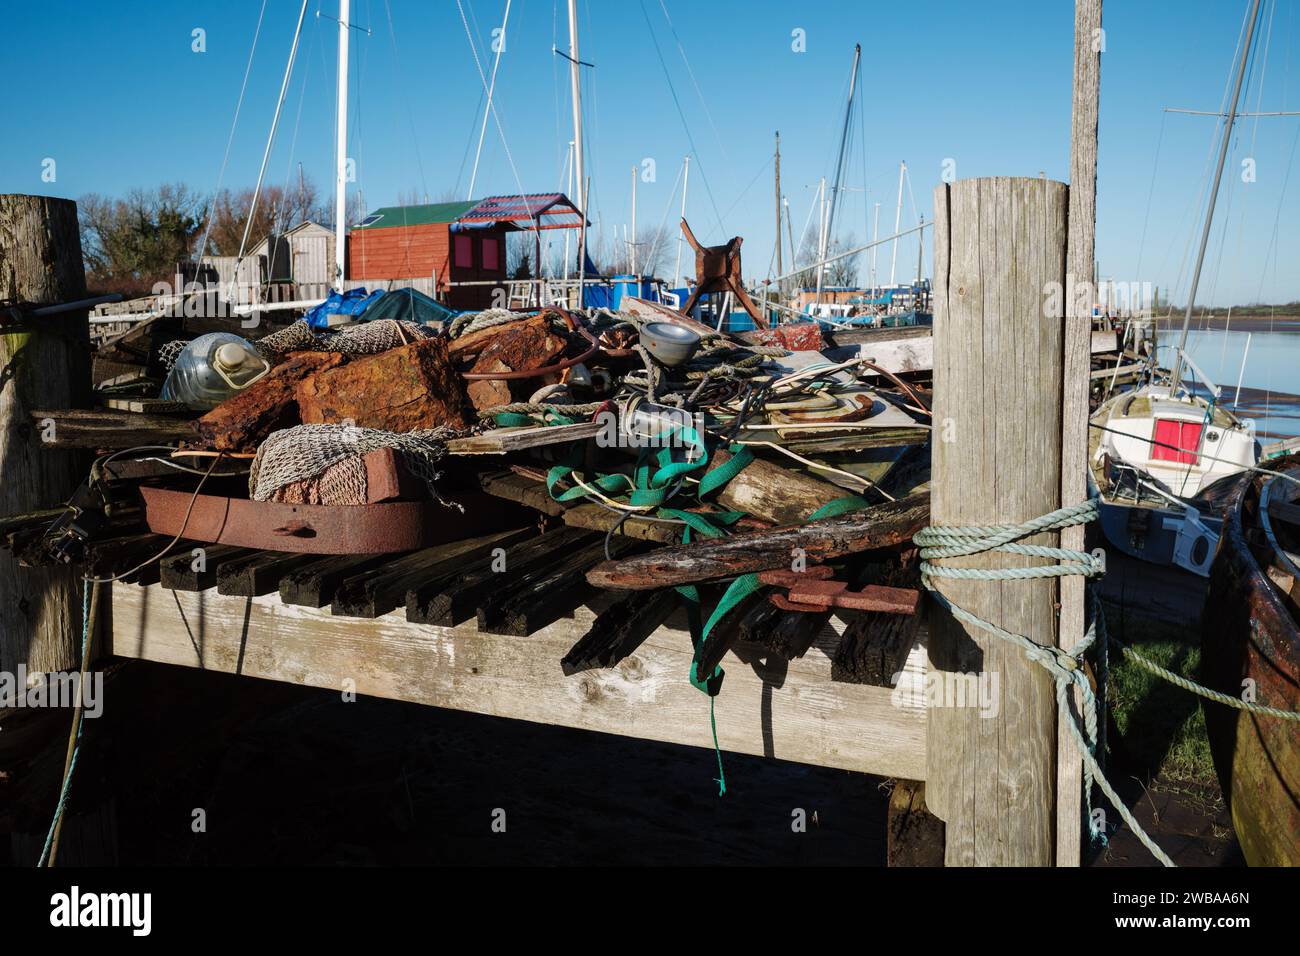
(811, 719)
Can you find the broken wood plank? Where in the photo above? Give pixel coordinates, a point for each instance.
(875, 644)
(880, 526)
(620, 629)
(195, 567)
(449, 602)
(314, 584)
(379, 590)
(541, 595)
(788, 634)
(259, 572)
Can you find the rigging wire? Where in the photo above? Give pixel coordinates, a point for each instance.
(704, 176)
(239, 105)
(694, 82)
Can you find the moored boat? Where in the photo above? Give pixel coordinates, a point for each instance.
(1251, 646)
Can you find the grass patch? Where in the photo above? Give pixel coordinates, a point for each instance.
(1162, 726)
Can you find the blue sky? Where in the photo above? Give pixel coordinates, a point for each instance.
(115, 95)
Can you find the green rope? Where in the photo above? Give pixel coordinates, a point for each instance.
(1200, 689)
(66, 788)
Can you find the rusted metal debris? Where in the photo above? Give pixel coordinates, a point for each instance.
(521, 346)
(717, 269)
(242, 422)
(813, 590)
(405, 389)
(795, 336)
(319, 529)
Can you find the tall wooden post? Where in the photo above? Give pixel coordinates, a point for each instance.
(1078, 362)
(998, 344)
(44, 367)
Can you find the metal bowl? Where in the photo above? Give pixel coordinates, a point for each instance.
(669, 344)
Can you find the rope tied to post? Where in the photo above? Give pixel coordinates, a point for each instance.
(1065, 667)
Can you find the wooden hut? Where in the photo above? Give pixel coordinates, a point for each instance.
(462, 245)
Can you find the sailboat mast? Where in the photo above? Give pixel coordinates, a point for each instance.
(686, 179)
(1214, 192)
(779, 267)
(341, 147)
(579, 164)
(898, 221)
(632, 244)
(844, 143)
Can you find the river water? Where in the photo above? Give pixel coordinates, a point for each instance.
(1270, 384)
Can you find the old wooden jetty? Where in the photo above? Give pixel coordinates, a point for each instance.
(571, 618)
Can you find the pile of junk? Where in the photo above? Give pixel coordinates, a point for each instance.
(765, 479)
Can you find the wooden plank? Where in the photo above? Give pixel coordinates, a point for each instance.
(499, 441)
(880, 526)
(620, 629)
(378, 590)
(190, 571)
(1080, 252)
(450, 602)
(999, 250)
(104, 428)
(524, 603)
(787, 711)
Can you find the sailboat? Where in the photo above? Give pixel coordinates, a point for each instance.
(1158, 452)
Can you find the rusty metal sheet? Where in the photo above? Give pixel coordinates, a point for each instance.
(383, 528)
(813, 590)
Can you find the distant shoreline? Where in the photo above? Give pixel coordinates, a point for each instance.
(1289, 322)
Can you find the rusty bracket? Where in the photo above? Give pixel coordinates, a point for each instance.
(814, 590)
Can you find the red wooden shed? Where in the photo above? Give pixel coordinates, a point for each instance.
(456, 242)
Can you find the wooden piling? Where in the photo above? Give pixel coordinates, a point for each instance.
(43, 365)
(1077, 379)
(999, 255)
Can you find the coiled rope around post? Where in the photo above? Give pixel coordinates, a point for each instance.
(951, 542)
(1064, 667)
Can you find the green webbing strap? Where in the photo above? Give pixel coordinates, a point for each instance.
(839, 506)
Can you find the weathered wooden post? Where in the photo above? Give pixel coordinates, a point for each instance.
(999, 258)
(1088, 43)
(46, 365)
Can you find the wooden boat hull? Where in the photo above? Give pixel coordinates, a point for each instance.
(1250, 634)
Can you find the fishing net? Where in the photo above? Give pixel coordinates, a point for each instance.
(368, 338)
(323, 464)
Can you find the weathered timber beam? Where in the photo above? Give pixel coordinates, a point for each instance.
(544, 593)
(880, 526)
(499, 441)
(620, 629)
(449, 602)
(101, 428)
(799, 715)
(772, 493)
(379, 590)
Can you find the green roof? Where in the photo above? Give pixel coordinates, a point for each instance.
(416, 215)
